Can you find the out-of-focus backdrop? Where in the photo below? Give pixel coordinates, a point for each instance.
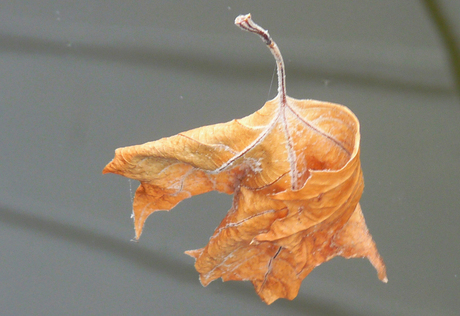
(81, 78)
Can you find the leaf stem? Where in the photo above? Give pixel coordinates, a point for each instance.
(246, 23)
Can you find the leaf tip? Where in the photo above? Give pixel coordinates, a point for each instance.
(194, 253)
(111, 167)
(382, 272)
(138, 226)
(107, 169)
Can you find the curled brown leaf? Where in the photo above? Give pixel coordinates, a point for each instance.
(294, 169)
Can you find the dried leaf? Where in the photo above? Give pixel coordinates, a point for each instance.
(294, 169)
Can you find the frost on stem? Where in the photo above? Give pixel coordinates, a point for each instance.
(246, 23)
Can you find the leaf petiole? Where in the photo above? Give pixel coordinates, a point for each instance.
(246, 23)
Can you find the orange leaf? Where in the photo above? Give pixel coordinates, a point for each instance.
(294, 169)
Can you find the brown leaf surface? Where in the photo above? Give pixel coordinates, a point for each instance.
(294, 169)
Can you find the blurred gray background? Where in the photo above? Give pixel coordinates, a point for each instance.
(81, 78)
